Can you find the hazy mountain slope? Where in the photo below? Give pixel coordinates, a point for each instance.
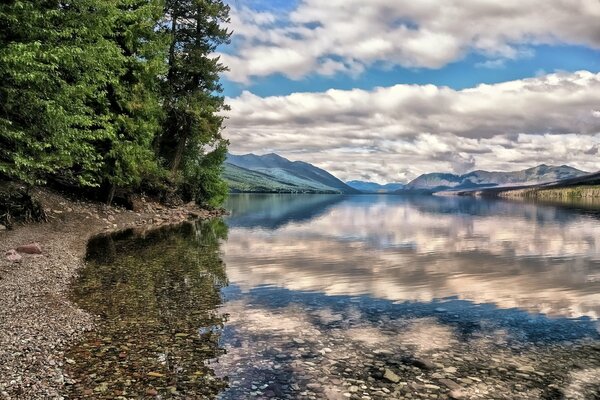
(582, 187)
(297, 174)
(479, 179)
(244, 180)
(372, 187)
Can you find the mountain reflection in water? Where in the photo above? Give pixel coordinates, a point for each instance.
(333, 297)
(533, 257)
(389, 297)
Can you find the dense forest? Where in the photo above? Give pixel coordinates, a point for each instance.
(109, 96)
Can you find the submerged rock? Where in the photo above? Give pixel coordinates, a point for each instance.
(450, 384)
(391, 376)
(457, 394)
(422, 363)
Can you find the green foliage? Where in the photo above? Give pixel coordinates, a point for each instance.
(134, 100)
(203, 177)
(192, 101)
(56, 61)
(103, 93)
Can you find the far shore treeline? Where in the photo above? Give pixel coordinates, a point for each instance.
(109, 96)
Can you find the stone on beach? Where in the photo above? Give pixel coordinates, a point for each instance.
(12, 255)
(31, 248)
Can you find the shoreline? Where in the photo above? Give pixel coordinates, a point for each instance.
(37, 320)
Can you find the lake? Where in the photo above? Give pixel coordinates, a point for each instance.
(336, 297)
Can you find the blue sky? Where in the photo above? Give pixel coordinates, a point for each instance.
(464, 73)
(388, 89)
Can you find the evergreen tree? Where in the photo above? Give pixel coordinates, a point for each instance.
(191, 138)
(107, 93)
(134, 100)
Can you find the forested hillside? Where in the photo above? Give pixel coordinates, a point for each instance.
(114, 95)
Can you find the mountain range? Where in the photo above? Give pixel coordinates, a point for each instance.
(271, 173)
(372, 187)
(436, 182)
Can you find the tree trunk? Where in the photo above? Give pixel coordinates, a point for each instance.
(111, 194)
(172, 46)
(178, 155)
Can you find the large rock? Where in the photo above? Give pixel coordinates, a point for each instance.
(31, 248)
(12, 255)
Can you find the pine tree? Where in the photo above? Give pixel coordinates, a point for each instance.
(134, 100)
(191, 138)
(107, 93)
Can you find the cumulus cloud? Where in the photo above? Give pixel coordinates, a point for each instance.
(327, 37)
(398, 132)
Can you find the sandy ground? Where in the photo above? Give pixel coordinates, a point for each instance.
(37, 320)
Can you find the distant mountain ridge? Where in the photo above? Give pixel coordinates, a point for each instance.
(372, 187)
(273, 173)
(435, 182)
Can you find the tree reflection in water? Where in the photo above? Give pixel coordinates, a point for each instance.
(158, 297)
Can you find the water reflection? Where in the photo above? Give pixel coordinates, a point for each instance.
(538, 258)
(157, 296)
(410, 297)
(332, 297)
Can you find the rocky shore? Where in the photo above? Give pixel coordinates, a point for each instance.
(37, 264)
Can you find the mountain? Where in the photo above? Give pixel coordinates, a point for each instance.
(273, 173)
(372, 187)
(436, 182)
(582, 188)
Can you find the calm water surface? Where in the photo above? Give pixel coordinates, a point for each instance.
(333, 297)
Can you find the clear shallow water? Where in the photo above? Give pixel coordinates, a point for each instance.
(321, 296)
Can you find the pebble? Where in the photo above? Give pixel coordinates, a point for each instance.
(391, 376)
(38, 322)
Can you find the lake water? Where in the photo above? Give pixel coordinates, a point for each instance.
(335, 297)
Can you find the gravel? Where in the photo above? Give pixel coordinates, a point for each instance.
(37, 320)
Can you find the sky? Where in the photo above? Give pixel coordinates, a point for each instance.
(386, 90)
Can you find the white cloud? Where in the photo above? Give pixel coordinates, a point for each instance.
(349, 35)
(398, 132)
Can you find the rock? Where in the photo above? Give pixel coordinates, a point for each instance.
(383, 352)
(2, 227)
(31, 248)
(431, 386)
(423, 363)
(12, 255)
(526, 368)
(450, 384)
(457, 394)
(151, 392)
(391, 376)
